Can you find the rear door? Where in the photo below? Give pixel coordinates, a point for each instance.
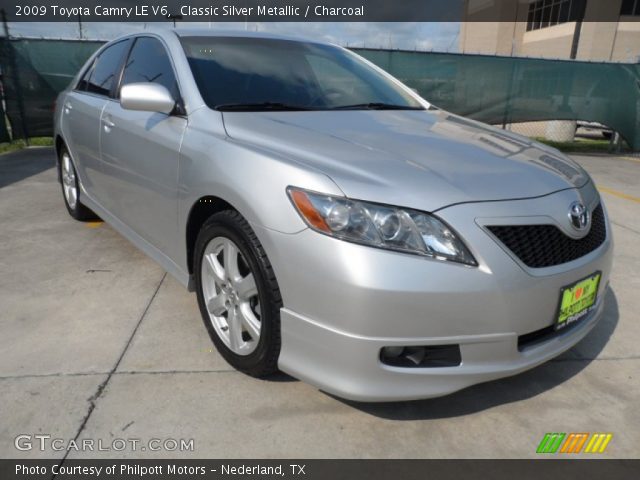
(82, 111)
(140, 150)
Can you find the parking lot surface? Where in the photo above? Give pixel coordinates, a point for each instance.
(98, 342)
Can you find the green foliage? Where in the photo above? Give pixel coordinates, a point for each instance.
(20, 144)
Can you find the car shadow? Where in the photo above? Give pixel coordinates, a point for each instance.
(280, 377)
(507, 390)
(21, 164)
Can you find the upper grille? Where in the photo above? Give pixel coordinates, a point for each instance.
(545, 245)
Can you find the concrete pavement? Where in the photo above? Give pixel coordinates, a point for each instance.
(97, 342)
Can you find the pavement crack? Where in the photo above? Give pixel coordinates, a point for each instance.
(127, 425)
(122, 372)
(54, 375)
(232, 370)
(94, 398)
(173, 372)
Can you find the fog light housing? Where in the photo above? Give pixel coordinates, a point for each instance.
(392, 352)
(416, 356)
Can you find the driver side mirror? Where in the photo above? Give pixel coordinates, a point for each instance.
(147, 97)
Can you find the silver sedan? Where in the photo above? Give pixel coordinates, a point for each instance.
(333, 224)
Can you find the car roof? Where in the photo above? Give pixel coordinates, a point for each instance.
(193, 32)
(167, 33)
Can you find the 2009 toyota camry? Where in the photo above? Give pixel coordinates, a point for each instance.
(332, 223)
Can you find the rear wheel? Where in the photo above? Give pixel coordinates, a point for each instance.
(71, 188)
(238, 294)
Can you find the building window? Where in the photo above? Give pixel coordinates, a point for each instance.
(630, 7)
(546, 13)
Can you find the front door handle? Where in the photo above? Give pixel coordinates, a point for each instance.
(67, 108)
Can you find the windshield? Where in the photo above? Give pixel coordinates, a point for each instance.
(253, 74)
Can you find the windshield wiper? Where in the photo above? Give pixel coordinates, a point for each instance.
(257, 107)
(376, 106)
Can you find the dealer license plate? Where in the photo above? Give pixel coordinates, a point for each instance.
(577, 300)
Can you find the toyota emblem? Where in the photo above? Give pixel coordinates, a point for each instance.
(579, 216)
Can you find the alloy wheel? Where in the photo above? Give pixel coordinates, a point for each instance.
(69, 184)
(231, 296)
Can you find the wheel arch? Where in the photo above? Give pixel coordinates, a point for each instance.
(200, 211)
(59, 143)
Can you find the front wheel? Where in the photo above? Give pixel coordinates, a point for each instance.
(238, 294)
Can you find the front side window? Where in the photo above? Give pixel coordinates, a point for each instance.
(149, 62)
(232, 71)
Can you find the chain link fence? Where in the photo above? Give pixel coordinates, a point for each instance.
(573, 134)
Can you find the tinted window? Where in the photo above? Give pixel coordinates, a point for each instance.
(106, 69)
(149, 62)
(84, 81)
(630, 7)
(334, 79)
(231, 70)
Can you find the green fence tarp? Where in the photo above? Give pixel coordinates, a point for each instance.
(4, 133)
(496, 90)
(34, 72)
(501, 90)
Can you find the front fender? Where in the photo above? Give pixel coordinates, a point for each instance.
(253, 180)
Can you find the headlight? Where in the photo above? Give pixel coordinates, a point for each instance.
(380, 226)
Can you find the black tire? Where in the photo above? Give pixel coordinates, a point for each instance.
(263, 361)
(80, 212)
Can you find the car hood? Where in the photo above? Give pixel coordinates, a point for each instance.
(419, 159)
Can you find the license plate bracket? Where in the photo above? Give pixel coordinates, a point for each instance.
(577, 300)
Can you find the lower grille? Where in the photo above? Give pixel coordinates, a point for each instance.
(539, 246)
(544, 335)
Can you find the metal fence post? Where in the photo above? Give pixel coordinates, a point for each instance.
(17, 88)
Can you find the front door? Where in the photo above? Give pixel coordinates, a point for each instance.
(140, 151)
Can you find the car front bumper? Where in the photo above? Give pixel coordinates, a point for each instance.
(344, 302)
(349, 366)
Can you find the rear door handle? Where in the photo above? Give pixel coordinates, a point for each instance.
(108, 124)
(68, 107)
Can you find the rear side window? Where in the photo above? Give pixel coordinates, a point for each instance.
(149, 62)
(106, 69)
(84, 81)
